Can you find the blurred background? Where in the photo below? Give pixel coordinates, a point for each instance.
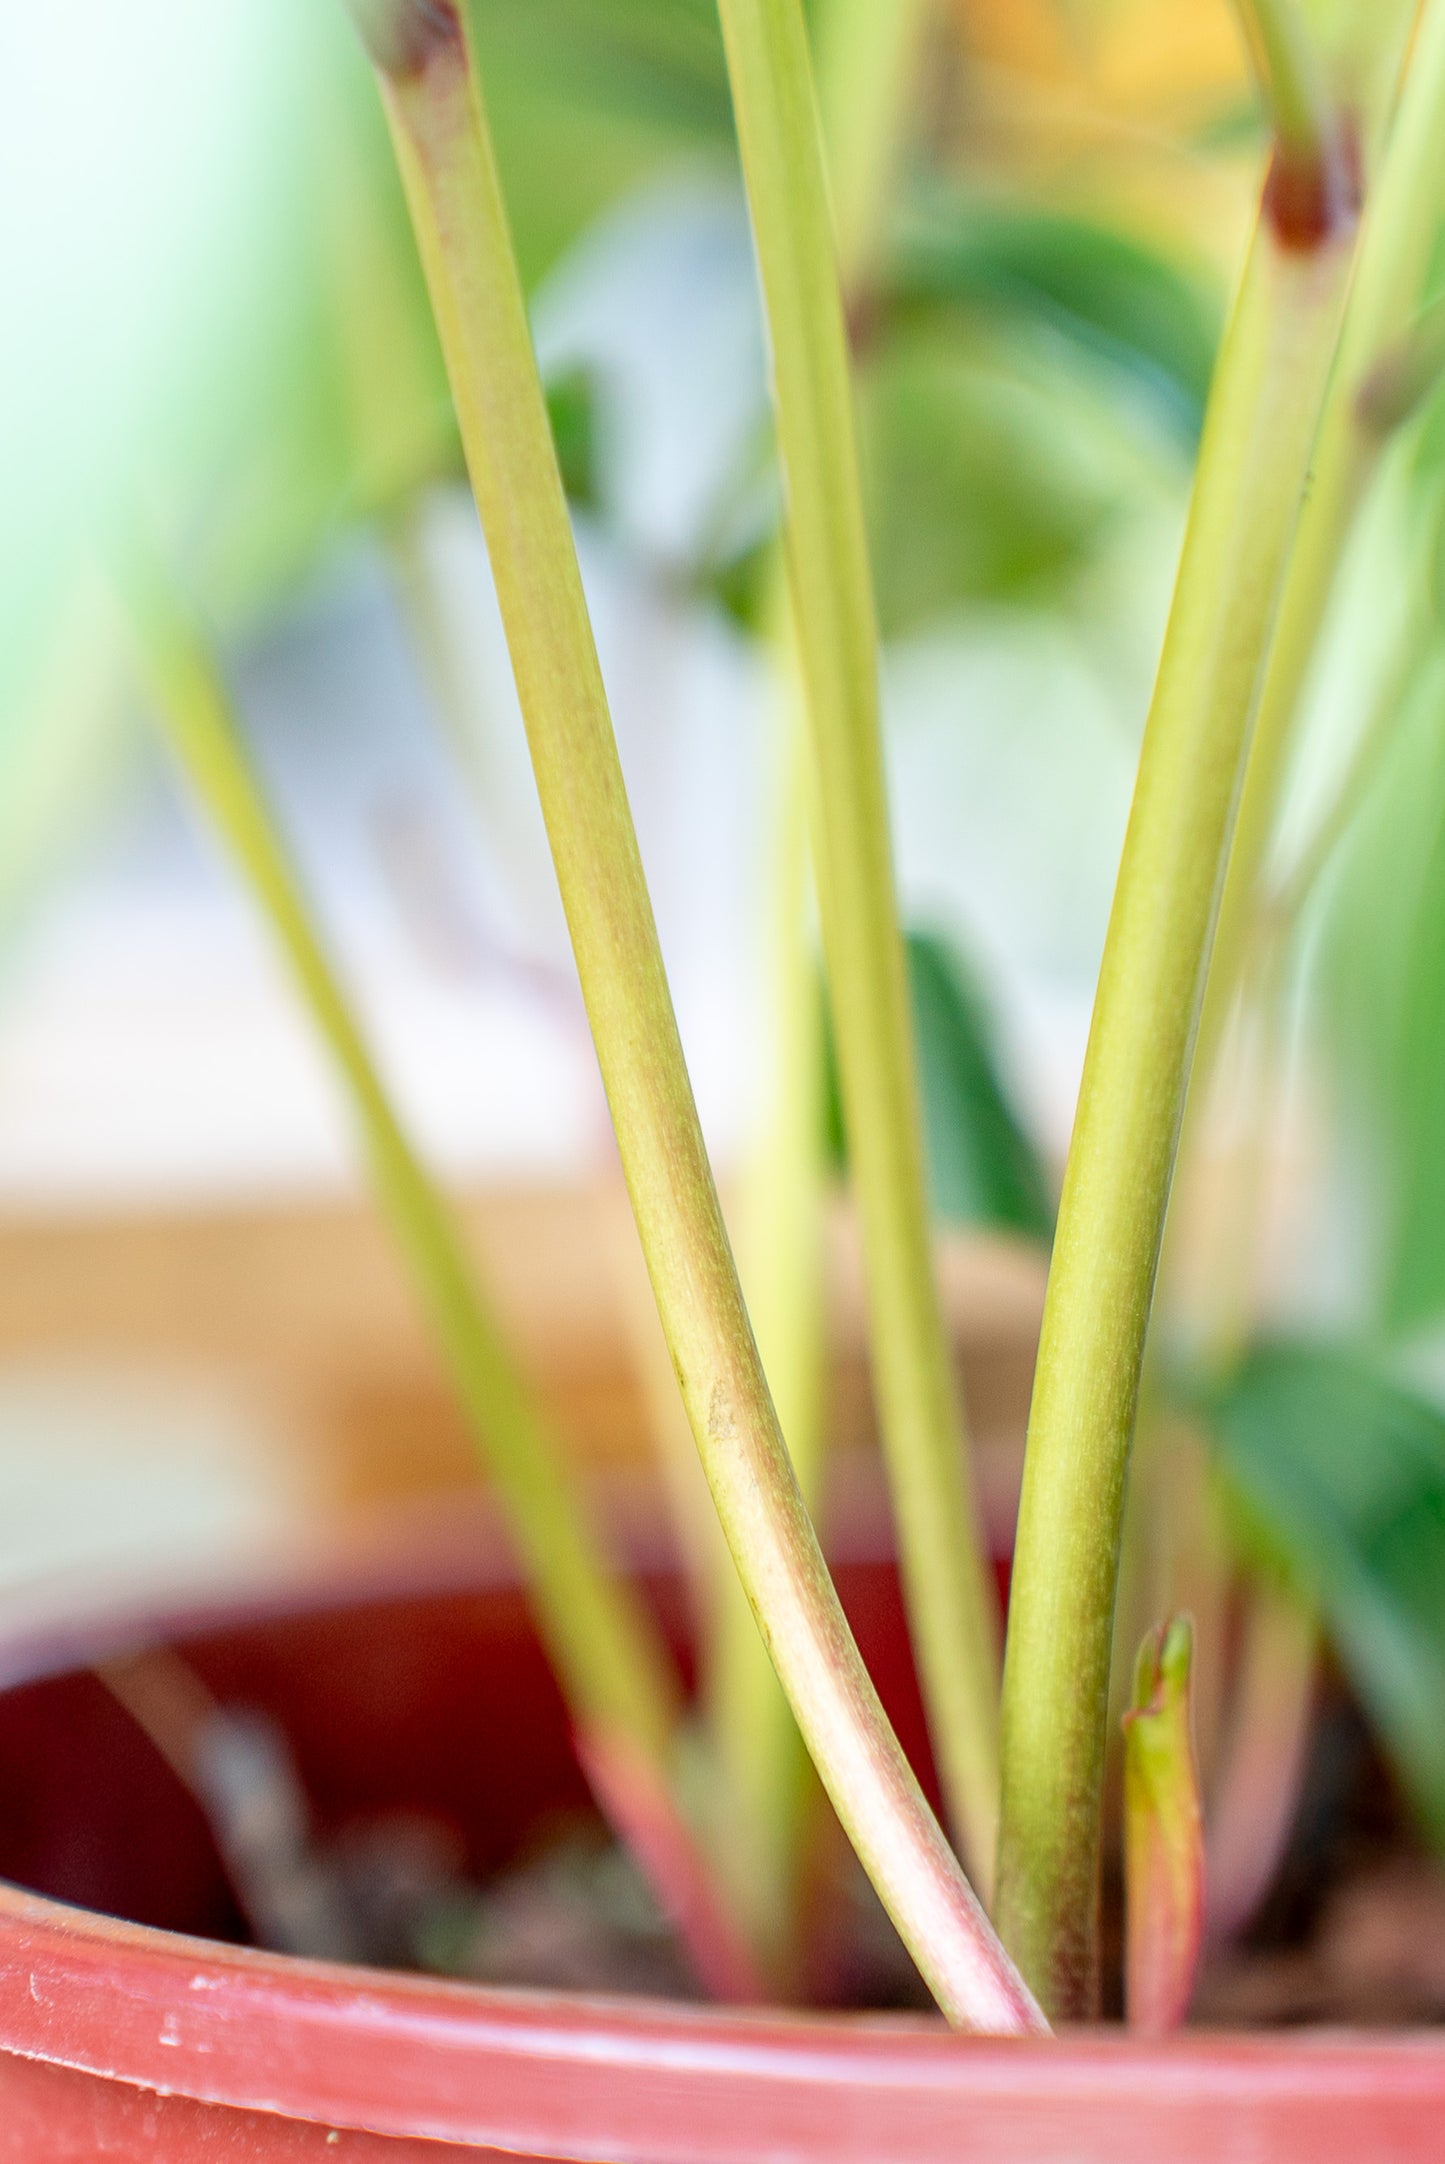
(215, 321)
(216, 312)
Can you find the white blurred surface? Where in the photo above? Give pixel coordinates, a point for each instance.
(150, 1045)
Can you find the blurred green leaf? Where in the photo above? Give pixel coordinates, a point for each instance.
(572, 411)
(1339, 1478)
(982, 1167)
(983, 481)
(588, 98)
(1382, 1008)
(1096, 286)
(648, 58)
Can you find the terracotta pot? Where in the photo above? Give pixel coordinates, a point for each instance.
(409, 1677)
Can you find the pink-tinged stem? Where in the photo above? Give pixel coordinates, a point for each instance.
(1163, 1836)
(643, 1814)
(433, 99)
(1257, 1789)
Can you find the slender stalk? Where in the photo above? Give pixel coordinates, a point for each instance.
(781, 1262)
(867, 61)
(615, 1671)
(439, 128)
(1398, 233)
(950, 1599)
(1309, 148)
(1254, 461)
(866, 65)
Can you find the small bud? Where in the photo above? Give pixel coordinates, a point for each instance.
(1163, 1838)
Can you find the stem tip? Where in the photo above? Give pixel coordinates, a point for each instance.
(402, 36)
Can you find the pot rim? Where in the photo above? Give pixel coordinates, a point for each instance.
(598, 2080)
(601, 2079)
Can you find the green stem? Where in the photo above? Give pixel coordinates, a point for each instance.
(950, 1599)
(867, 60)
(867, 56)
(444, 149)
(1292, 76)
(1254, 462)
(1397, 235)
(615, 1671)
(780, 1257)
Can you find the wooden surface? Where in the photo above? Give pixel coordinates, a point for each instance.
(300, 1318)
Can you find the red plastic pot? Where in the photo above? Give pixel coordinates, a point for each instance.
(412, 1678)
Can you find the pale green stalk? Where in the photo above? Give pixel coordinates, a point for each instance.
(1253, 466)
(868, 58)
(614, 1669)
(950, 1599)
(444, 149)
(866, 65)
(1378, 343)
(1402, 220)
(781, 1262)
(1292, 74)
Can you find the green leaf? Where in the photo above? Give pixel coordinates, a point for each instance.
(1099, 288)
(984, 479)
(572, 411)
(1383, 1005)
(983, 1169)
(588, 99)
(1339, 1478)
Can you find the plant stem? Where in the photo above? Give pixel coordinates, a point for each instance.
(780, 1255)
(1307, 134)
(950, 1598)
(434, 103)
(867, 60)
(615, 1670)
(1397, 235)
(864, 75)
(1254, 461)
